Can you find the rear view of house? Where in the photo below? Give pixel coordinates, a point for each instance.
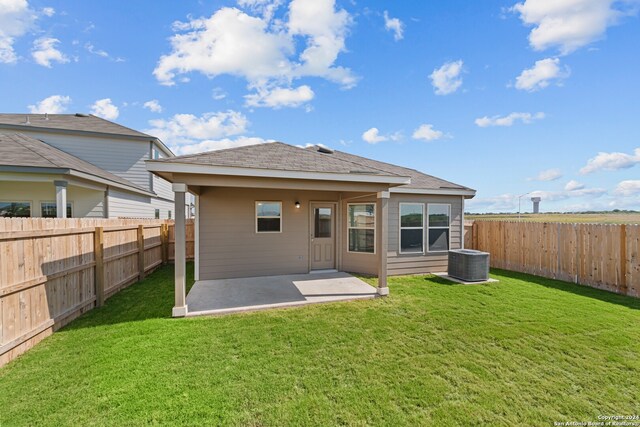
(80, 166)
(273, 209)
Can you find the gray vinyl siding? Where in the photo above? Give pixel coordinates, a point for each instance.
(121, 157)
(123, 204)
(162, 188)
(397, 263)
(229, 245)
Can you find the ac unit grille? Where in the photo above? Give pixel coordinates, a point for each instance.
(469, 265)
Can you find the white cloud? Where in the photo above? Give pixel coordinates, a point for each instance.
(508, 120)
(261, 49)
(570, 24)
(611, 162)
(573, 185)
(188, 129)
(447, 79)
(48, 11)
(153, 105)
(218, 93)
(548, 175)
(104, 108)
(541, 74)
(372, 136)
(44, 52)
(501, 203)
(628, 188)
(394, 25)
(552, 196)
(219, 144)
(426, 132)
(280, 97)
(16, 18)
(55, 104)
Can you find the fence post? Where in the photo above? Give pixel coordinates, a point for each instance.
(98, 254)
(140, 252)
(164, 239)
(623, 259)
(474, 235)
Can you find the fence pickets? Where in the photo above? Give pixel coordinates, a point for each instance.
(53, 270)
(603, 256)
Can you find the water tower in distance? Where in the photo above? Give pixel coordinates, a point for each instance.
(536, 204)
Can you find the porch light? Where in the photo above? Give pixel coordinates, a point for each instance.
(297, 205)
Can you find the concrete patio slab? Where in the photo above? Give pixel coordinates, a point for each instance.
(210, 297)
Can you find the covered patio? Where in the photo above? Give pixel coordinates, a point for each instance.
(224, 296)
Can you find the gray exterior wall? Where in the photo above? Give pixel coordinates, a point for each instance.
(229, 245)
(428, 262)
(122, 157)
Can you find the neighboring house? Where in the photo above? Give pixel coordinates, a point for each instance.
(272, 209)
(94, 167)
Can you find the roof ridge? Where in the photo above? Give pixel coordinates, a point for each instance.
(222, 150)
(352, 162)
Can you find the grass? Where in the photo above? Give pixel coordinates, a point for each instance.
(600, 218)
(524, 351)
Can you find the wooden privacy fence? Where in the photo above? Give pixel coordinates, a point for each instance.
(53, 270)
(603, 256)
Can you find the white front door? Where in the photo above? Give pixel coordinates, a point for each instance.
(323, 236)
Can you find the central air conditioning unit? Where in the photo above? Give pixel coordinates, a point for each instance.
(469, 265)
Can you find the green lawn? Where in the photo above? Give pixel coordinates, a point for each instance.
(524, 351)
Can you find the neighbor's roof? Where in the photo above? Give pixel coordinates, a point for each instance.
(73, 122)
(21, 151)
(277, 156)
(419, 180)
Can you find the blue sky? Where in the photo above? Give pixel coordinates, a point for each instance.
(506, 97)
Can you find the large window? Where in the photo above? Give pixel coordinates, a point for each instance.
(439, 217)
(361, 227)
(50, 210)
(15, 209)
(268, 217)
(411, 228)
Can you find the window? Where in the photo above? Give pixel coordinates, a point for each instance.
(268, 217)
(157, 214)
(50, 210)
(439, 217)
(322, 223)
(15, 209)
(361, 227)
(169, 214)
(411, 228)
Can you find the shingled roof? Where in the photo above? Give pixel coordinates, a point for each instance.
(419, 180)
(283, 157)
(18, 150)
(277, 156)
(73, 122)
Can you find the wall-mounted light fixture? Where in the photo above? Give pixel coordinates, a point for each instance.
(297, 205)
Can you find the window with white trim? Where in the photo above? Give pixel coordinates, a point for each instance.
(411, 228)
(15, 209)
(268, 217)
(50, 210)
(439, 227)
(361, 227)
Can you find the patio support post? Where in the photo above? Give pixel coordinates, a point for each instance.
(180, 308)
(383, 240)
(61, 198)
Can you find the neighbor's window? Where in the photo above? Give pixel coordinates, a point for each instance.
(157, 214)
(49, 210)
(268, 217)
(15, 209)
(361, 225)
(411, 228)
(169, 214)
(439, 217)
